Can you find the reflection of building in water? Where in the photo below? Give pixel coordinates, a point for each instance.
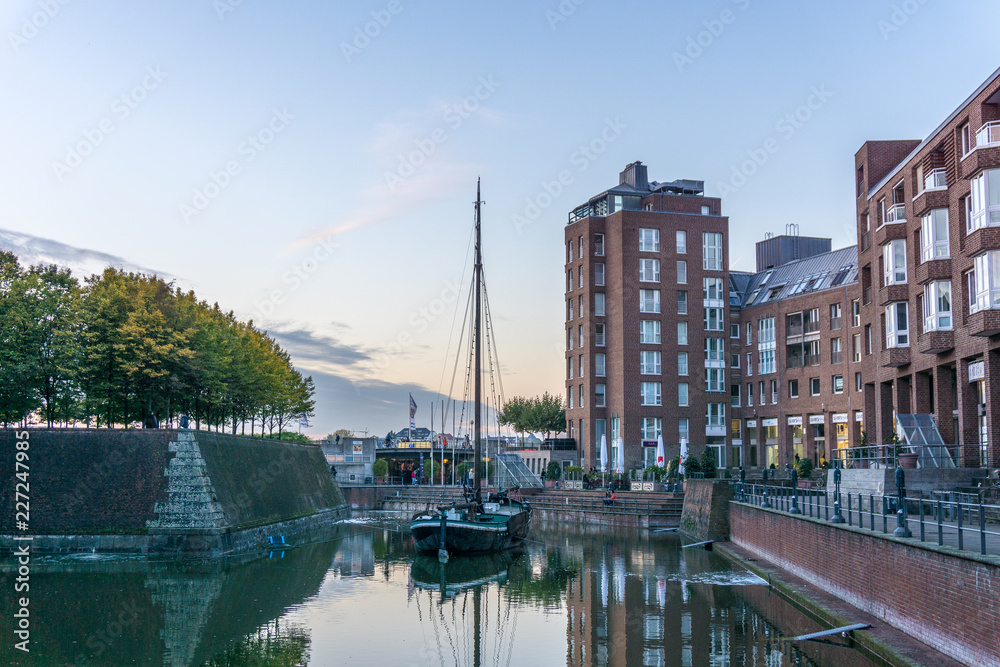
(355, 556)
(634, 607)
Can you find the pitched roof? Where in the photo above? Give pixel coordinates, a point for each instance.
(813, 274)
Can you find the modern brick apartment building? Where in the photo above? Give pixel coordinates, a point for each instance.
(929, 250)
(647, 318)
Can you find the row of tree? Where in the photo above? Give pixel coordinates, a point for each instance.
(126, 348)
(541, 414)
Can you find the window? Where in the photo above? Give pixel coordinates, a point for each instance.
(734, 331)
(569, 251)
(649, 362)
(713, 319)
(714, 352)
(649, 301)
(649, 331)
(580, 304)
(897, 331)
(868, 339)
(814, 386)
(581, 335)
(581, 277)
(856, 348)
(599, 275)
(749, 333)
(766, 362)
(580, 366)
(765, 330)
(712, 291)
(599, 245)
(706, 210)
(569, 369)
(793, 389)
(579, 243)
(682, 394)
(750, 394)
(855, 313)
(649, 270)
(711, 246)
(598, 304)
(749, 363)
(734, 399)
(734, 361)
(715, 380)
(934, 235)
(682, 333)
(965, 139)
(649, 240)
(600, 363)
(894, 257)
(985, 200)
(774, 391)
(569, 396)
(651, 428)
(986, 277)
(715, 414)
(838, 384)
(835, 312)
(682, 428)
(569, 280)
(682, 242)
(682, 303)
(836, 351)
(650, 393)
(600, 400)
(569, 309)
(599, 335)
(580, 394)
(937, 306)
(682, 272)
(682, 363)
(857, 382)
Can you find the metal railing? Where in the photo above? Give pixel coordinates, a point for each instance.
(936, 179)
(622, 506)
(895, 214)
(945, 520)
(988, 134)
(887, 456)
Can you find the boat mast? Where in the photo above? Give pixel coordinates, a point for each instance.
(477, 278)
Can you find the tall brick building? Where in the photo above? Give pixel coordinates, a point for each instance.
(647, 318)
(929, 250)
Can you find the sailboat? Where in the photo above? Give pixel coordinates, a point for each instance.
(494, 523)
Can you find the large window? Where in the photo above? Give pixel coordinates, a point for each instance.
(765, 329)
(711, 246)
(835, 313)
(715, 414)
(766, 362)
(682, 394)
(715, 379)
(600, 364)
(682, 333)
(682, 302)
(712, 290)
(934, 235)
(682, 272)
(897, 329)
(599, 335)
(894, 257)
(600, 400)
(986, 279)
(599, 275)
(985, 200)
(598, 304)
(838, 384)
(650, 393)
(649, 301)
(937, 306)
(599, 245)
(649, 240)
(649, 362)
(649, 270)
(682, 242)
(682, 363)
(652, 428)
(714, 319)
(649, 331)
(682, 428)
(836, 351)
(715, 352)
(855, 313)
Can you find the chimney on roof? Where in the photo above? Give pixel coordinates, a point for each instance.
(635, 175)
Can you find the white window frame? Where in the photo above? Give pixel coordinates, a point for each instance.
(711, 247)
(682, 302)
(982, 211)
(938, 306)
(599, 275)
(600, 395)
(934, 242)
(649, 240)
(650, 362)
(796, 393)
(814, 387)
(682, 363)
(599, 304)
(682, 272)
(599, 245)
(894, 258)
(599, 335)
(649, 301)
(649, 270)
(711, 291)
(649, 332)
(650, 393)
(896, 334)
(715, 380)
(652, 428)
(714, 319)
(682, 333)
(681, 237)
(683, 429)
(987, 281)
(838, 384)
(683, 395)
(715, 414)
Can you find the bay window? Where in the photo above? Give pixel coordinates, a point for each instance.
(984, 201)
(897, 330)
(894, 257)
(986, 277)
(934, 235)
(937, 306)
(715, 414)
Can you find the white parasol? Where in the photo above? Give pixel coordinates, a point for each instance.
(684, 455)
(659, 451)
(604, 454)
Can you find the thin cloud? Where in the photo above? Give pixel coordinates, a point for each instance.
(81, 261)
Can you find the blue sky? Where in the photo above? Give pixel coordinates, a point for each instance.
(279, 160)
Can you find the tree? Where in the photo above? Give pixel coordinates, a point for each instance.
(543, 414)
(553, 471)
(380, 468)
(551, 414)
(340, 434)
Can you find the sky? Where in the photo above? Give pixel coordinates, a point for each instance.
(312, 165)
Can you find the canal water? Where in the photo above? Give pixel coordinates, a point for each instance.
(573, 596)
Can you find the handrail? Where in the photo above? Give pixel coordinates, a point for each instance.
(895, 214)
(988, 134)
(936, 179)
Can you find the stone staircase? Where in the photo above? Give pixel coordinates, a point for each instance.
(191, 500)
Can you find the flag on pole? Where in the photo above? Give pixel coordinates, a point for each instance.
(413, 412)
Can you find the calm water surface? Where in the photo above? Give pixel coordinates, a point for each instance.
(573, 596)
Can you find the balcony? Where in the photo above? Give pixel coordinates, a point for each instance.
(895, 214)
(985, 323)
(933, 269)
(936, 179)
(988, 134)
(892, 293)
(890, 232)
(981, 240)
(930, 199)
(986, 154)
(894, 357)
(935, 342)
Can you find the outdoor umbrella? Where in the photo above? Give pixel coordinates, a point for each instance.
(620, 468)
(659, 451)
(604, 454)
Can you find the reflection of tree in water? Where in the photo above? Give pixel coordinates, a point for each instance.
(548, 588)
(271, 645)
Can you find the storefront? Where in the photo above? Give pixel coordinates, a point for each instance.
(817, 424)
(751, 440)
(771, 441)
(797, 440)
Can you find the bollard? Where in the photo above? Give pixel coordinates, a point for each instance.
(765, 503)
(837, 516)
(902, 526)
(795, 493)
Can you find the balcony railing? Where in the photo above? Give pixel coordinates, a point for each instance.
(936, 180)
(793, 330)
(895, 214)
(812, 327)
(988, 134)
(837, 357)
(811, 360)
